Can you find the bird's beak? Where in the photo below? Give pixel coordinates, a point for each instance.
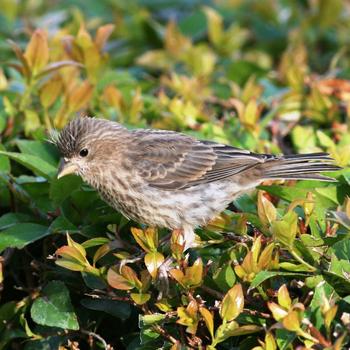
(66, 168)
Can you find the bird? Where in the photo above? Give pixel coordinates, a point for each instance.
(167, 179)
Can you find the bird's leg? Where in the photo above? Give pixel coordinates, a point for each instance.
(163, 279)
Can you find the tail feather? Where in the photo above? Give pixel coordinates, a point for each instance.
(300, 166)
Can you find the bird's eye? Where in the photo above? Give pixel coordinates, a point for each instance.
(84, 152)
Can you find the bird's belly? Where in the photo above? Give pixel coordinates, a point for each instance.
(193, 207)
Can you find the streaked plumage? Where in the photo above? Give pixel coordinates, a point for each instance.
(167, 179)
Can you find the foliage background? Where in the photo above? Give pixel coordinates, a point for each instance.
(271, 272)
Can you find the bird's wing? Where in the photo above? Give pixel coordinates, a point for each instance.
(169, 160)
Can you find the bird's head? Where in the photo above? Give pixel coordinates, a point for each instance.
(85, 143)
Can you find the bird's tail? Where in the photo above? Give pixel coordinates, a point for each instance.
(300, 167)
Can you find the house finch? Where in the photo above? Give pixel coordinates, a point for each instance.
(168, 179)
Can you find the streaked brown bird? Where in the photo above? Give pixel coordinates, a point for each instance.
(168, 179)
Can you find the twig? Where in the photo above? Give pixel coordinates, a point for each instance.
(212, 292)
(98, 337)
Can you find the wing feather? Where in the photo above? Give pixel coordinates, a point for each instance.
(169, 160)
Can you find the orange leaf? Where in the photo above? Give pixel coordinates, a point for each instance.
(37, 51)
(79, 97)
(102, 35)
(208, 319)
(117, 281)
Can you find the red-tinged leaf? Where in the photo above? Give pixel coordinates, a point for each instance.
(129, 274)
(51, 67)
(71, 253)
(70, 265)
(77, 246)
(102, 35)
(232, 304)
(117, 281)
(153, 260)
(283, 297)
(19, 54)
(208, 319)
(140, 298)
(37, 51)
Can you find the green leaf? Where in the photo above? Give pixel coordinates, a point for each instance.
(18, 236)
(54, 308)
(62, 188)
(11, 219)
(37, 165)
(265, 275)
(115, 308)
(341, 249)
(5, 165)
(285, 230)
(43, 150)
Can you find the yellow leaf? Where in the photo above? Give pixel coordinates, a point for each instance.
(140, 298)
(32, 121)
(50, 91)
(291, 321)
(278, 312)
(266, 210)
(232, 304)
(208, 319)
(175, 42)
(3, 81)
(37, 51)
(189, 317)
(101, 252)
(270, 343)
(329, 316)
(256, 249)
(153, 260)
(265, 259)
(283, 297)
(140, 238)
(194, 273)
(77, 246)
(177, 275)
(215, 25)
(83, 38)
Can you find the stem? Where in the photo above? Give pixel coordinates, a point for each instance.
(297, 257)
